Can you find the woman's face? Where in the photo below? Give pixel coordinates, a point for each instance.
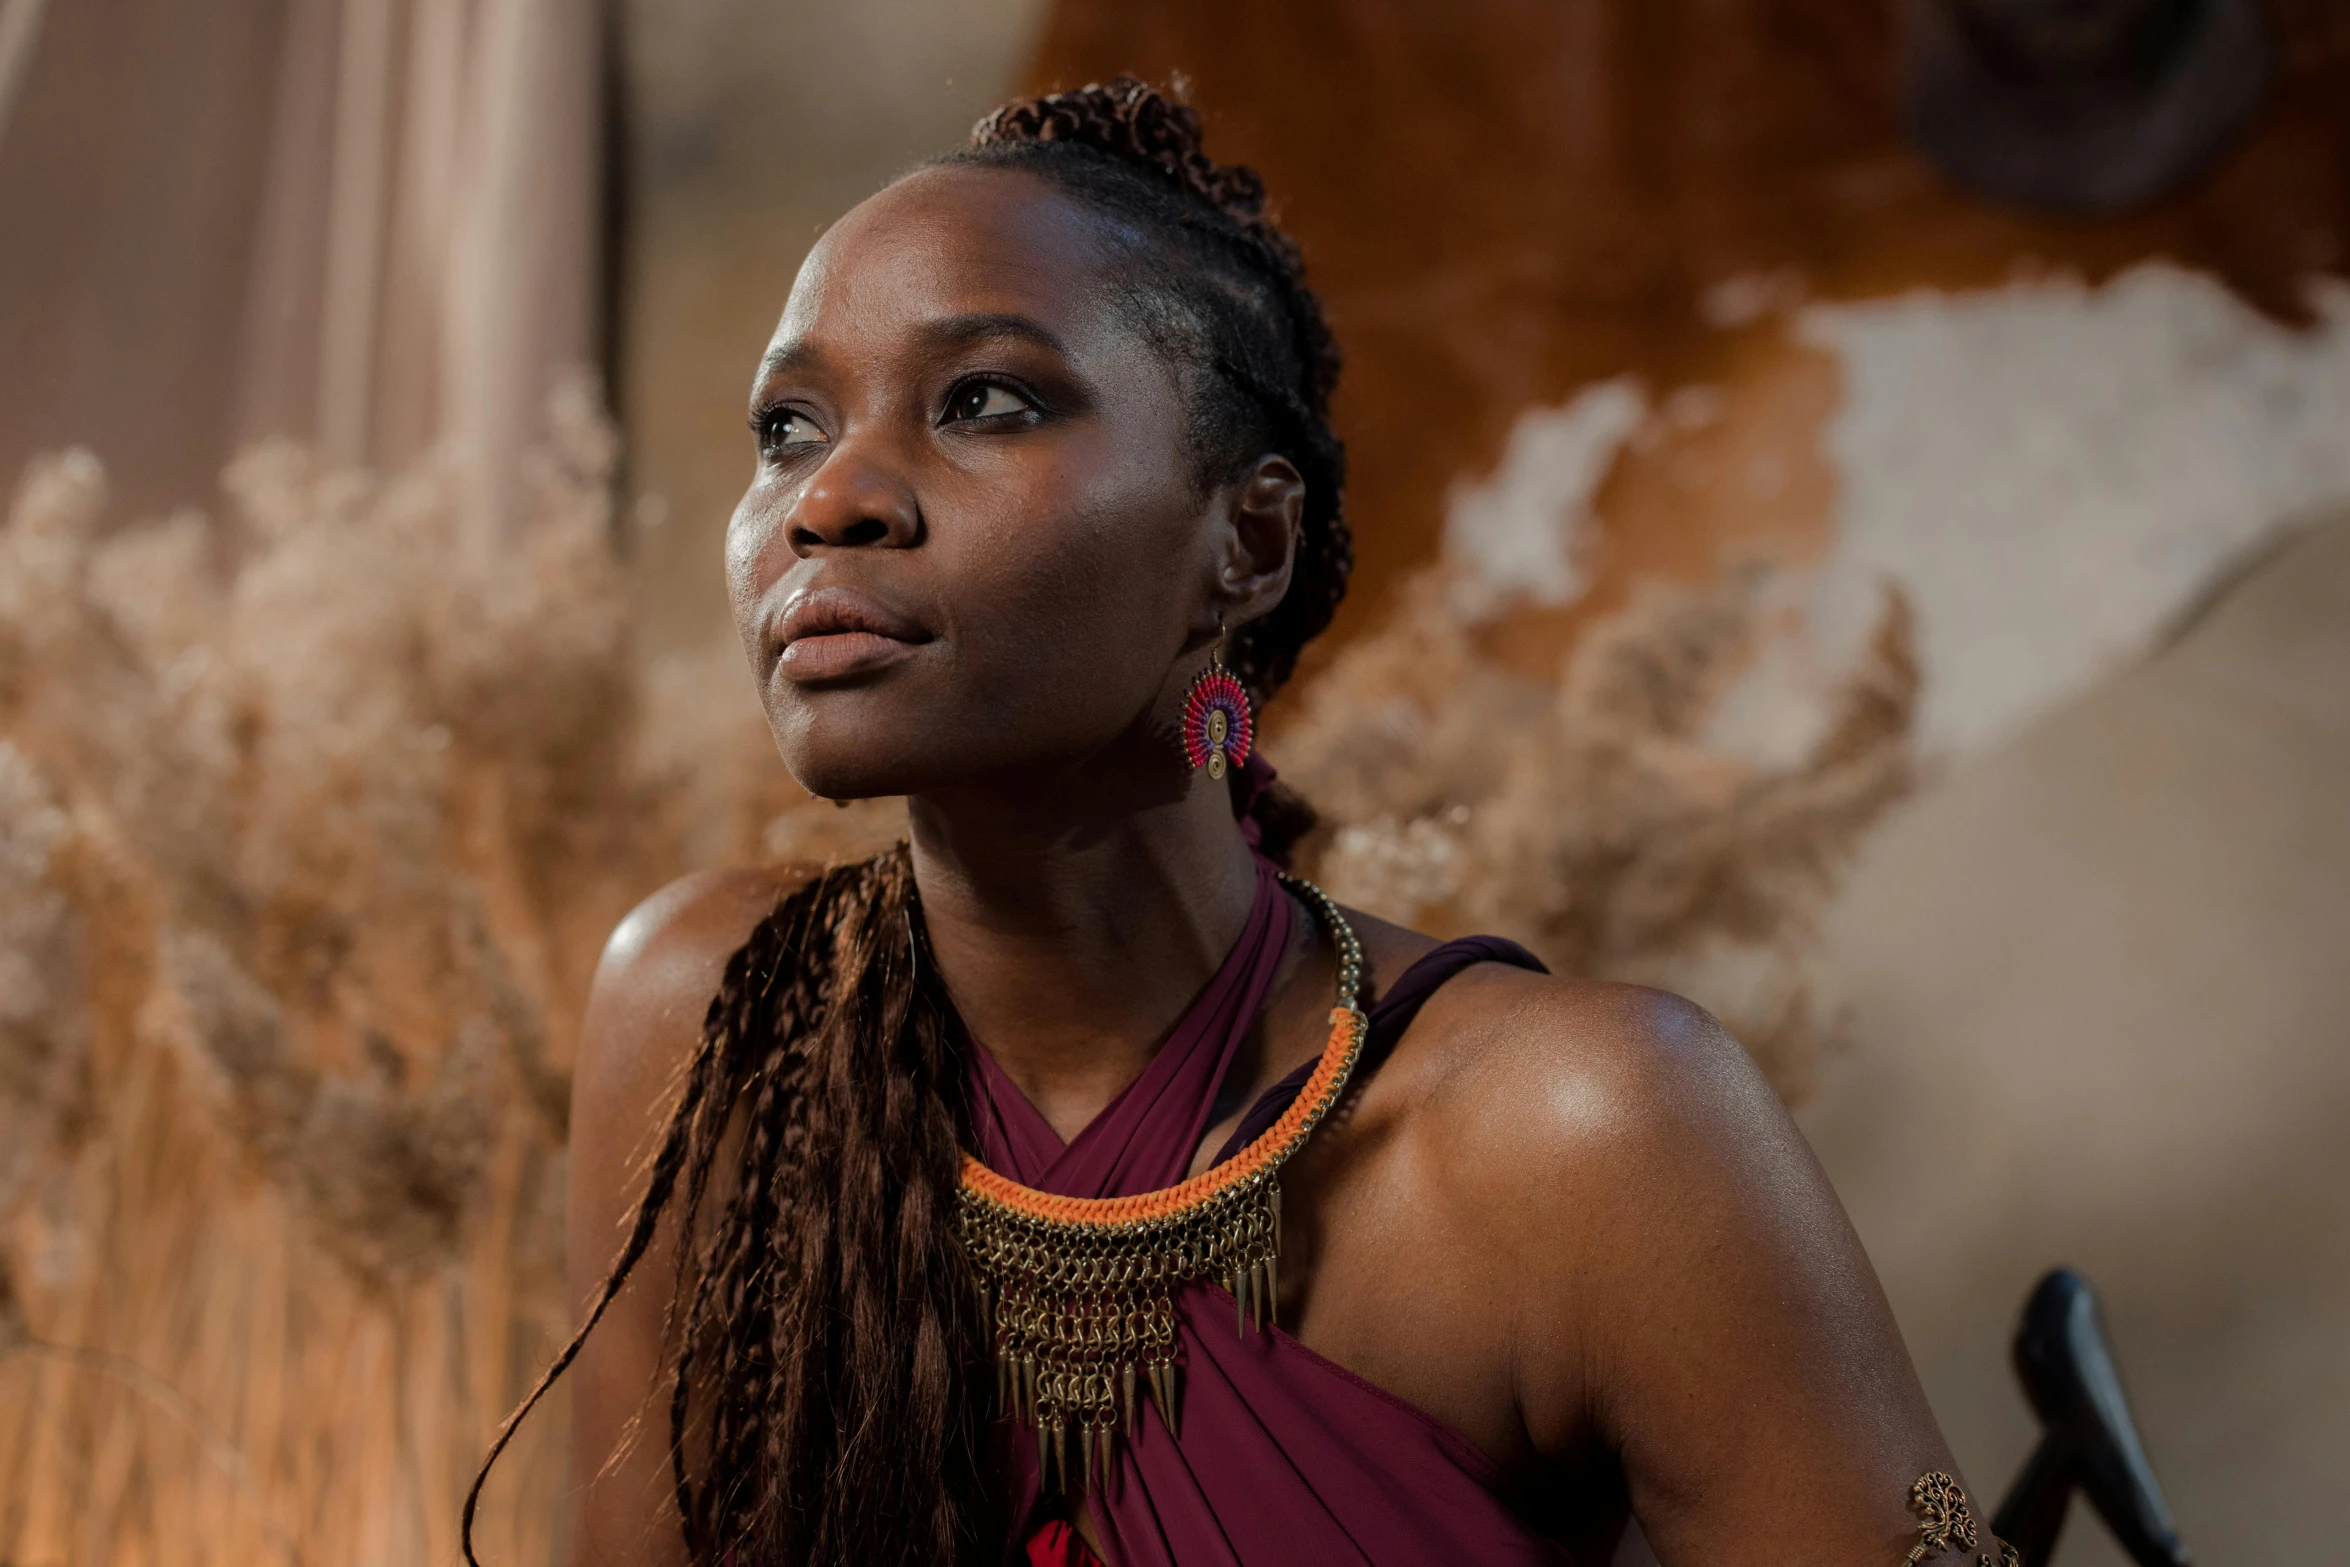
(976, 544)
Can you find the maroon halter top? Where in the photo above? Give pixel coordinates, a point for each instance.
(1285, 1457)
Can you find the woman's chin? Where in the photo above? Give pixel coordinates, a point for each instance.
(852, 768)
(840, 780)
(837, 753)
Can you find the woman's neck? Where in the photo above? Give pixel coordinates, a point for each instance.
(1073, 928)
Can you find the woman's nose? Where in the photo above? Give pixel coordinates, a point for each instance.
(853, 502)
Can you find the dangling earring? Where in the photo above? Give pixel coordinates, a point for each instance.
(1216, 721)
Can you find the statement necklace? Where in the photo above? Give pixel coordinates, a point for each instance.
(1080, 1290)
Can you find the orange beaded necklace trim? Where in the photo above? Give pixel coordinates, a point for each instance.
(1270, 1148)
(1080, 1290)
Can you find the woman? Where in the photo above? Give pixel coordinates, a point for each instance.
(1028, 1197)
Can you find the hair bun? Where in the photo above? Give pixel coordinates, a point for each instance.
(1134, 122)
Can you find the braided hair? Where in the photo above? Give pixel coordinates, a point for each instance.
(1221, 292)
(831, 1362)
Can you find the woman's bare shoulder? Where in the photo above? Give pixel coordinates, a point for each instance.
(1570, 1114)
(1513, 1064)
(654, 983)
(1576, 1066)
(1678, 1266)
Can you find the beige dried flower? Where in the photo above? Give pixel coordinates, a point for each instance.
(44, 1036)
(1592, 819)
(313, 817)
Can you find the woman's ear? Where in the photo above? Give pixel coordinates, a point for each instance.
(1259, 551)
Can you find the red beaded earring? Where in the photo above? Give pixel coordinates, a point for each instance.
(1216, 722)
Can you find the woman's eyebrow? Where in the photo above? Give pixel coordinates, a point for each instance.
(942, 336)
(797, 354)
(953, 332)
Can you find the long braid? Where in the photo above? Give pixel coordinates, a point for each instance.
(824, 1441)
(702, 1085)
(826, 1328)
(827, 1403)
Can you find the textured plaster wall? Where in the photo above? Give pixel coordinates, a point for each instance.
(2094, 974)
(2054, 471)
(2098, 978)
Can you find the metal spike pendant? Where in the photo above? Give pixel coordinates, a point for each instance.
(1166, 1377)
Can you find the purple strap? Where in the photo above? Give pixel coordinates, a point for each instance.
(1286, 1457)
(1391, 1014)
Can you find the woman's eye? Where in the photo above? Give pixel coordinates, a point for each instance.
(787, 427)
(985, 400)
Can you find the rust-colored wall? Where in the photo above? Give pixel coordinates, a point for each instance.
(1505, 201)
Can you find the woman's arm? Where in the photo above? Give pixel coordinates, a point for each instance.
(1697, 1299)
(644, 1022)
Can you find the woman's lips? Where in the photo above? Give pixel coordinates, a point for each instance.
(832, 633)
(831, 655)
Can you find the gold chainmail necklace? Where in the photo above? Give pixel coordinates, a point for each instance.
(1080, 1290)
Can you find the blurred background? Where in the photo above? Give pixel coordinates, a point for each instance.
(1853, 509)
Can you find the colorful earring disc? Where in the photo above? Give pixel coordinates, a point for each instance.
(1216, 726)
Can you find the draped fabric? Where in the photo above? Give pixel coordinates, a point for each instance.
(369, 225)
(1285, 1456)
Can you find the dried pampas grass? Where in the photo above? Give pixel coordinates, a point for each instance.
(314, 813)
(313, 817)
(1591, 817)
